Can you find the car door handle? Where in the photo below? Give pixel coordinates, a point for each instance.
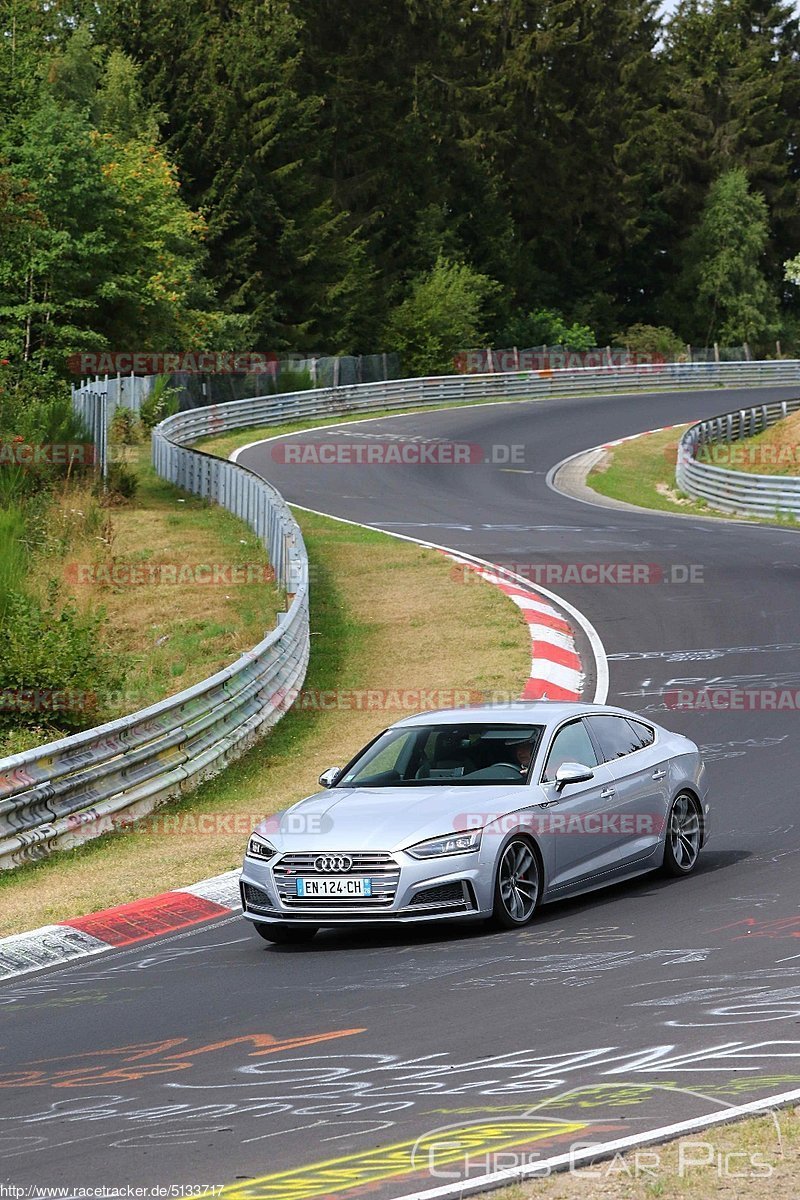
(607, 793)
(659, 774)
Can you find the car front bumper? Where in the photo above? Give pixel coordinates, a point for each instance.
(412, 891)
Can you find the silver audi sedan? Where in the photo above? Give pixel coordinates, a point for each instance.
(480, 813)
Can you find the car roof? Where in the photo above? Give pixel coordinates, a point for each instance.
(517, 712)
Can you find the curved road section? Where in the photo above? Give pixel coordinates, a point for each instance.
(386, 1064)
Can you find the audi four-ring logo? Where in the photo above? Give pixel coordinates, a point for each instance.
(333, 862)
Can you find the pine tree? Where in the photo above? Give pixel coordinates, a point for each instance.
(734, 101)
(576, 91)
(282, 251)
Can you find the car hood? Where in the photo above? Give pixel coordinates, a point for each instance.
(350, 819)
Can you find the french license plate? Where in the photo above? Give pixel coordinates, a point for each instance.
(334, 887)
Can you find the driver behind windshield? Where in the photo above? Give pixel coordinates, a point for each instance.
(523, 753)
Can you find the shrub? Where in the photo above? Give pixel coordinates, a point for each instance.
(444, 313)
(53, 664)
(293, 380)
(125, 428)
(35, 410)
(547, 327)
(120, 485)
(162, 402)
(651, 341)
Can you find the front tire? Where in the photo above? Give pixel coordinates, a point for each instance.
(684, 835)
(286, 935)
(517, 885)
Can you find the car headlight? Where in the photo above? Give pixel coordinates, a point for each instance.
(257, 847)
(451, 843)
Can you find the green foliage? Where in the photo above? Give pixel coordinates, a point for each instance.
(443, 313)
(162, 402)
(98, 248)
(724, 277)
(12, 555)
(119, 107)
(125, 428)
(291, 379)
(36, 412)
(52, 647)
(733, 102)
(651, 341)
(562, 149)
(74, 72)
(547, 327)
(120, 485)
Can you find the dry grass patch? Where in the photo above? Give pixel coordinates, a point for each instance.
(642, 472)
(764, 1164)
(776, 451)
(166, 635)
(386, 616)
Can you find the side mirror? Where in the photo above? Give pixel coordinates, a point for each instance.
(571, 772)
(328, 778)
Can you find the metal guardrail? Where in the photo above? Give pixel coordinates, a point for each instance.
(725, 488)
(454, 389)
(66, 792)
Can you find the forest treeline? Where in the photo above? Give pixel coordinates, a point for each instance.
(350, 176)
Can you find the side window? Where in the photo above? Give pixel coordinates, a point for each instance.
(571, 744)
(615, 736)
(644, 734)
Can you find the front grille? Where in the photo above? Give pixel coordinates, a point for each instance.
(253, 897)
(442, 894)
(380, 868)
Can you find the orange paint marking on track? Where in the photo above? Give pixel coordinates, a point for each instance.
(131, 1065)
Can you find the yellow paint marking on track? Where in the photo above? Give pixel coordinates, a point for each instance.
(431, 1150)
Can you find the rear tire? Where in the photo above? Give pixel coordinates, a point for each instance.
(286, 935)
(684, 835)
(517, 884)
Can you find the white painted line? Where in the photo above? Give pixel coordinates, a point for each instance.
(541, 1167)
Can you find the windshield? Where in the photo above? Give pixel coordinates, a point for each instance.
(431, 755)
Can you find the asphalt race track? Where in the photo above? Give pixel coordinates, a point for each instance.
(210, 1058)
